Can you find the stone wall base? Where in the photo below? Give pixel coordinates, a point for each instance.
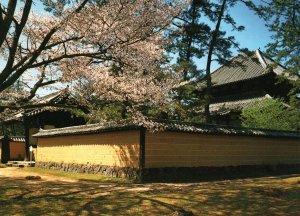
(117, 172)
(190, 174)
(175, 174)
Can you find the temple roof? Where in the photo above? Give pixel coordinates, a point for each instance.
(235, 105)
(45, 103)
(167, 126)
(13, 138)
(239, 69)
(17, 138)
(245, 67)
(53, 98)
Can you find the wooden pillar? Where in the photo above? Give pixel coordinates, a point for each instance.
(5, 151)
(142, 152)
(26, 129)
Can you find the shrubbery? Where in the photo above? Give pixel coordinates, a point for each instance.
(271, 114)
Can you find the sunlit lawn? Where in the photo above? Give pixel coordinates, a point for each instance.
(76, 176)
(257, 196)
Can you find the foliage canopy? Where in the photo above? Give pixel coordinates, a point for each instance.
(271, 114)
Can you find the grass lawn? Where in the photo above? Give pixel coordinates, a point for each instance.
(73, 194)
(76, 176)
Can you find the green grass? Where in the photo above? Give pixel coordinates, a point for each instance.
(76, 176)
(253, 196)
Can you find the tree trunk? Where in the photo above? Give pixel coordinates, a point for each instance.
(213, 42)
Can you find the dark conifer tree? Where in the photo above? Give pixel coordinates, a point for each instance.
(198, 34)
(283, 19)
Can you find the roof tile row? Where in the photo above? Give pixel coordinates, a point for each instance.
(171, 126)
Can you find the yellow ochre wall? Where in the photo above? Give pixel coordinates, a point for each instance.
(120, 148)
(174, 149)
(17, 150)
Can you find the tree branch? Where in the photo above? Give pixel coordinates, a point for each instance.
(6, 79)
(12, 51)
(6, 22)
(37, 85)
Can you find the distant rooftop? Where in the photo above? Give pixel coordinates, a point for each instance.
(245, 67)
(54, 97)
(45, 103)
(235, 105)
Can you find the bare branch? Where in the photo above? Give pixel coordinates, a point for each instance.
(6, 79)
(12, 51)
(6, 22)
(33, 91)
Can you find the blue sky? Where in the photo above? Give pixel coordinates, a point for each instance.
(255, 35)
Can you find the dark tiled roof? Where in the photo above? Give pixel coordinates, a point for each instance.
(176, 127)
(17, 138)
(16, 116)
(42, 109)
(245, 67)
(45, 104)
(14, 138)
(235, 105)
(54, 97)
(87, 129)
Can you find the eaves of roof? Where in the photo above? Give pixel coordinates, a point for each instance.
(13, 138)
(236, 105)
(17, 138)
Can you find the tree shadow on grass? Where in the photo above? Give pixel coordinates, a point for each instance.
(246, 196)
(24, 197)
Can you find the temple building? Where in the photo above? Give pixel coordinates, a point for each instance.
(56, 110)
(242, 81)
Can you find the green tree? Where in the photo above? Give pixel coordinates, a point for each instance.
(271, 114)
(197, 34)
(283, 19)
(189, 35)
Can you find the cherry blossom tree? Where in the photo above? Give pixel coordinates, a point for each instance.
(111, 50)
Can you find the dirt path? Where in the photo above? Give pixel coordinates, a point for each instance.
(14, 172)
(20, 173)
(52, 195)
